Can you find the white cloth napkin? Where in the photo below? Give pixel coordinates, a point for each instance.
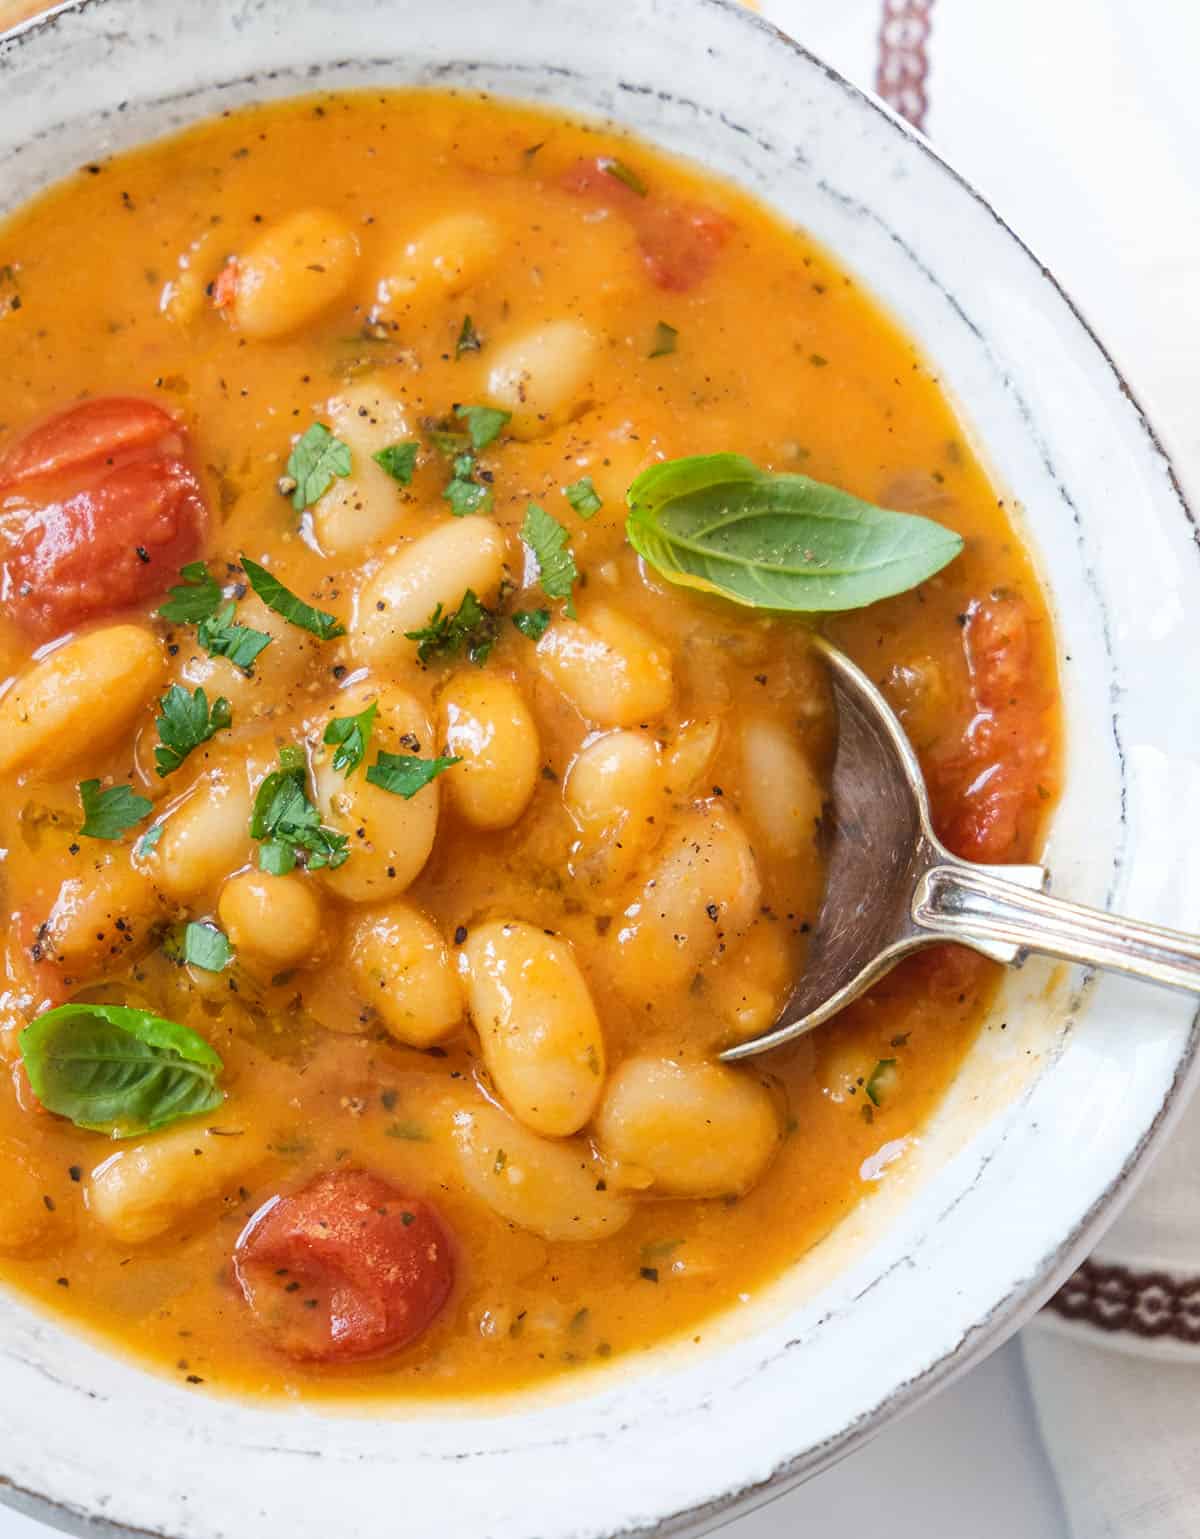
(1080, 121)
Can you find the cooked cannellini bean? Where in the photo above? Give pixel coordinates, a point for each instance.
(701, 894)
(697, 1129)
(441, 260)
(436, 569)
(390, 835)
(487, 726)
(271, 919)
(150, 1188)
(79, 699)
(365, 505)
(615, 673)
(102, 918)
(278, 669)
(537, 1024)
(750, 986)
(782, 796)
(404, 973)
(551, 1188)
(691, 755)
(294, 270)
(540, 375)
(614, 793)
(205, 835)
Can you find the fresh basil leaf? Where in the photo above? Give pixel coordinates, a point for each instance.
(113, 1069)
(469, 340)
(665, 338)
(109, 814)
(550, 544)
(399, 460)
(583, 497)
(207, 947)
(195, 598)
(286, 821)
(350, 735)
(467, 497)
(288, 604)
(185, 723)
(777, 541)
(472, 627)
(405, 775)
(314, 463)
(623, 173)
(484, 423)
(532, 622)
(240, 644)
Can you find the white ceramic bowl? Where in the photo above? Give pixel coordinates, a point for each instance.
(1047, 1126)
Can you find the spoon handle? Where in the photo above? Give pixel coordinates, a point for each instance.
(971, 905)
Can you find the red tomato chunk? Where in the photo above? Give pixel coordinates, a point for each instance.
(99, 508)
(345, 1268)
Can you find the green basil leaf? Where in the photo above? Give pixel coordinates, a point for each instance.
(195, 598)
(777, 541)
(317, 459)
(207, 947)
(550, 544)
(403, 774)
(117, 1070)
(623, 173)
(484, 423)
(469, 340)
(185, 723)
(109, 814)
(288, 604)
(665, 338)
(220, 637)
(399, 460)
(350, 735)
(583, 497)
(532, 622)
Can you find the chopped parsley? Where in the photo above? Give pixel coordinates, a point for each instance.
(532, 622)
(583, 497)
(623, 173)
(207, 947)
(185, 723)
(484, 423)
(108, 814)
(288, 604)
(404, 775)
(196, 598)
(882, 1081)
(463, 493)
(288, 825)
(350, 735)
(221, 637)
(469, 340)
(399, 460)
(551, 547)
(317, 459)
(472, 628)
(665, 339)
(149, 839)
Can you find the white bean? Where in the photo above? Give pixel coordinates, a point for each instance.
(295, 269)
(150, 1188)
(436, 569)
(615, 673)
(555, 1189)
(540, 375)
(487, 726)
(404, 973)
(441, 260)
(696, 1129)
(390, 835)
(277, 672)
(614, 793)
(537, 1025)
(781, 794)
(275, 920)
(365, 505)
(79, 699)
(101, 919)
(701, 894)
(205, 836)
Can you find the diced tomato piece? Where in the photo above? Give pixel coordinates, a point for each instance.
(345, 1268)
(986, 791)
(101, 508)
(680, 244)
(224, 290)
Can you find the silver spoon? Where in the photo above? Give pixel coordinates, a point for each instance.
(891, 887)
